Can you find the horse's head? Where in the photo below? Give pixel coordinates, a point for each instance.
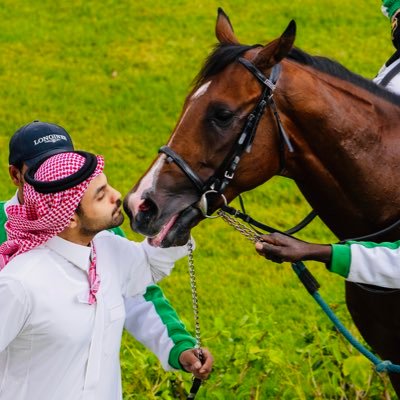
(204, 149)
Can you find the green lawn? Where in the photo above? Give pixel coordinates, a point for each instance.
(115, 74)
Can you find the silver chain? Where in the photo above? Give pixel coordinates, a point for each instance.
(250, 234)
(247, 232)
(195, 303)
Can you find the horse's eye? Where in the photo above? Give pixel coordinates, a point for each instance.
(222, 117)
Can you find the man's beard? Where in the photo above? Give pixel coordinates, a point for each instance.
(93, 228)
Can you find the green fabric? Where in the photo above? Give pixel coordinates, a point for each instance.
(391, 6)
(370, 245)
(118, 231)
(3, 220)
(176, 329)
(341, 259)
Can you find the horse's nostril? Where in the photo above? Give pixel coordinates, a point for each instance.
(147, 213)
(147, 210)
(145, 206)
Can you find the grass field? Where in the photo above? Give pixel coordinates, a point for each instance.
(115, 74)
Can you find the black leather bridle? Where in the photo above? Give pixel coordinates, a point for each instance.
(218, 182)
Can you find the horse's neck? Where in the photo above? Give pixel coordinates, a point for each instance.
(347, 156)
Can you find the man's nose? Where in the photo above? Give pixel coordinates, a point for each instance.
(116, 196)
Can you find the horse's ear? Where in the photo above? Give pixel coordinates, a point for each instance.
(277, 49)
(224, 30)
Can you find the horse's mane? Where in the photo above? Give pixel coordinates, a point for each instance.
(333, 68)
(225, 54)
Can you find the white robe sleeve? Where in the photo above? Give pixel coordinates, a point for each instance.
(14, 310)
(152, 320)
(145, 326)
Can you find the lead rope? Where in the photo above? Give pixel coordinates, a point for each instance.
(312, 286)
(195, 304)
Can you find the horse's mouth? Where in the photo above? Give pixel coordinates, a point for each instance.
(176, 231)
(157, 240)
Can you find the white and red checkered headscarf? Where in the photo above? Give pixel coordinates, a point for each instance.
(43, 216)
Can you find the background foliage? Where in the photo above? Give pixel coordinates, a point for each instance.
(115, 74)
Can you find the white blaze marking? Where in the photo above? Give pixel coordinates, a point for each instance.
(201, 90)
(180, 123)
(147, 182)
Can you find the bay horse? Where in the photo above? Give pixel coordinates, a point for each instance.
(308, 118)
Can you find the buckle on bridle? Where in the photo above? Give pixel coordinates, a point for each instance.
(228, 175)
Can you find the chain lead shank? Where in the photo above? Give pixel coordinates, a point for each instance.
(248, 233)
(192, 274)
(195, 303)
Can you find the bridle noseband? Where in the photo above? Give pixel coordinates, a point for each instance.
(218, 182)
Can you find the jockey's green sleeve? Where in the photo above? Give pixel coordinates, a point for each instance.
(368, 262)
(389, 7)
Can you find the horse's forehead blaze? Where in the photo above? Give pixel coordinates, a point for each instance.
(148, 182)
(200, 91)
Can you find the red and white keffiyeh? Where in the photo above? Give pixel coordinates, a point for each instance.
(43, 216)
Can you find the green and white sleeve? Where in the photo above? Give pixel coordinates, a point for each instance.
(367, 262)
(152, 320)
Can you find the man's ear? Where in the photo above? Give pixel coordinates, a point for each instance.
(74, 223)
(15, 175)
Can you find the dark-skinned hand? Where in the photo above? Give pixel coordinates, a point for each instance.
(279, 248)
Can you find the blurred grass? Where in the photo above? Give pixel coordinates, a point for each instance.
(115, 74)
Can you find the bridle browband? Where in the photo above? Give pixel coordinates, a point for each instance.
(218, 182)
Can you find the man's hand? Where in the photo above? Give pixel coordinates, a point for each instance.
(279, 248)
(190, 361)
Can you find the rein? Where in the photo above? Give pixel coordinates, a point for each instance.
(254, 223)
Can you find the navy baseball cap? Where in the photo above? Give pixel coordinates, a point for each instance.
(36, 141)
